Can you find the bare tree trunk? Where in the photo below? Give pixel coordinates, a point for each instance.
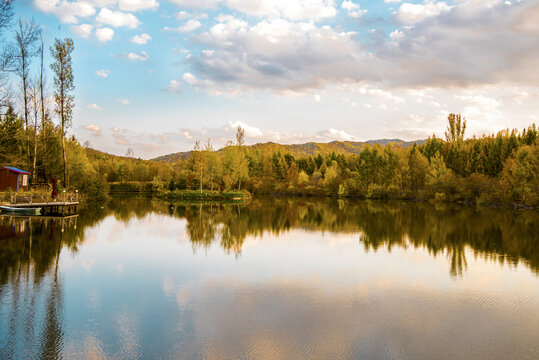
(62, 97)
(42, 105)
(64, 152)
(34, 100)
(25, 96)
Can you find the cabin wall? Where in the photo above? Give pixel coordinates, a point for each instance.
(8, 180)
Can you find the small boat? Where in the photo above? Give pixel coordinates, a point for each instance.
(21, 211)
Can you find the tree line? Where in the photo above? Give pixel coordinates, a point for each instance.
(492, 169)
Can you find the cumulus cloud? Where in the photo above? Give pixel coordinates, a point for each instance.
(104, 35)
(279, 54)
(123, 101)
(117, 19)
(354, 10)
(200, 4)
(83, 30)
(174, 86)
(66, 11)
(289, 9)
(103, 73)
(466, 45)
(409, 13)
(93, 107)
(142, 56)
(140, 39)
(339, 135)
(136, 5)
(190, 25)
(94, 129)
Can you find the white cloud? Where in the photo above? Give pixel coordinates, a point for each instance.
(190, 78)
(289, 9)
(142, 56)
(249, 130)
(187, 133)
(83, 30)
(182, 15)
(279, 55)
(68, 12)
(190, 25)
(117, 19)
(385, 96)
(341, 135)
(93, 128)
(354, 10)
(136, 5)
(93, 107)
(104, 34)
(141, 39)
(454, 48)
(174, 86)
(410, 14)
(199, 4)
(123, 101)
(103, 73)
(103, 3)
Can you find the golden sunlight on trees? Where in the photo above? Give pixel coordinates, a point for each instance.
(63, 83)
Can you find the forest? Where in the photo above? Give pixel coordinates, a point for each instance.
(499, 168)
(494, 169)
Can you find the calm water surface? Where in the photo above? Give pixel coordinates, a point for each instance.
(274, 279)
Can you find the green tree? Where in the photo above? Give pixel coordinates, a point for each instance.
(200, 165)
(418, 166)
(521, 176)
(63, 83)
(11, 138)
(456, 128)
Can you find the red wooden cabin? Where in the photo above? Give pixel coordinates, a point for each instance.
(11, 177)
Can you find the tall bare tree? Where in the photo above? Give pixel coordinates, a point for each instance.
(34, 97)
(26, 36)
(63, 86)
(6, 13)
(41, 86)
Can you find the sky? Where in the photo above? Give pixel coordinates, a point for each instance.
(157, 75)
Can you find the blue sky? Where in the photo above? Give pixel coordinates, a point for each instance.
(156, 75)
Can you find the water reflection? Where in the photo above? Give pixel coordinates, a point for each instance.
(184, 310)
(501, 235)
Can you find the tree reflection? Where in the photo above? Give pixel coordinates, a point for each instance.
(501, 235)
(31, 295)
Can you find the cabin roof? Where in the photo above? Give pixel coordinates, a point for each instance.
(15, 170)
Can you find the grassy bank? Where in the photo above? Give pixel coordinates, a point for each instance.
(205, 195)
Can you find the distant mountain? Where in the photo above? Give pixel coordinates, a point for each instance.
(301, 150)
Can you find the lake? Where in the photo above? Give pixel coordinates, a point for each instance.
(271, 279)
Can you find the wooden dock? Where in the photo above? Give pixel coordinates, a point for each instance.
(66, 203)
(55, 208)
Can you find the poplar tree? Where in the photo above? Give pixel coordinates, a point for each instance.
(63, 83)
(26, 36)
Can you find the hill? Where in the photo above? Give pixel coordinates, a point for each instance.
(300, 150)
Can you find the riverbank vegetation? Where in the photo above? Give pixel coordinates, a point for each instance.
(494, 169)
